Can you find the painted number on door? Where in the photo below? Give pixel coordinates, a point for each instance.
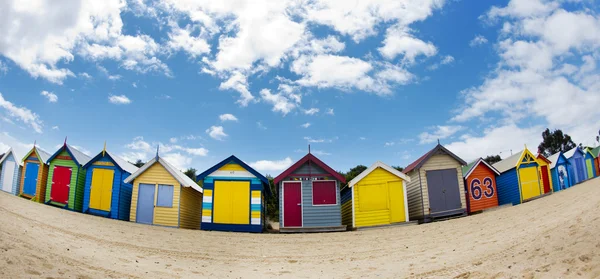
(476, 188)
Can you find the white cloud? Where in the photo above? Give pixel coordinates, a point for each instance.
(239, 82)
(399, 41)
(329, 111)
(52, 98)
(305, 125)
(448, 59)
(19, 148)
(319, 140)
(134, 85)
(216, 132)
(3, 67)
(362, 138)
(173, 140)
(440, 132)
(178, 160)
(173, 153)
(55, 128)
(119, 99)
(281, 102)
(82, 149)
(260, 125)
(181, 39)
(22, 114)
(389, 143)
(478, 40)
(266, 166)
(311, 111)
(320, 153)
(228, 117)
(85, 75)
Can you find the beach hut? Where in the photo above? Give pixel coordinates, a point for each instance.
(106, 194)
(578, 169)
(596, 153)
(164, 196)
(10, 171)
(589, 163)
(34, 174)
(234, 197)
(66, 178)
(309, 197)
(560, 170)
(480, 185)
(519, 179)
(376, 197)
(436, 185)
(545, 177)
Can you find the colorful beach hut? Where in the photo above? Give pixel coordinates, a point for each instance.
(9, 172)
(436, 185)
(519, 179)
(234, 195)
(376, 197)
(34, 174)
(560, 170)
(578, 169)
(106, 193)
(589, 164)
(545, 177)
(66, 178)
(164, 196)
(480, 185)
(596, 153)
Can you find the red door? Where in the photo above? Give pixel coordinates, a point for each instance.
(545, 179)
(60, 184)
(292, 204)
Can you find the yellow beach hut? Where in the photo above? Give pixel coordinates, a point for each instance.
(164, 196)
(376, 197)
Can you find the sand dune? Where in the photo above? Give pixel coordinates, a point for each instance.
(554, 237)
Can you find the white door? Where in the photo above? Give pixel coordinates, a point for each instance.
(8, 175)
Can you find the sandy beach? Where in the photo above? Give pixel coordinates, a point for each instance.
(557, 236)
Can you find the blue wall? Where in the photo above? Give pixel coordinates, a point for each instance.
(578, 168)
(508, 188)
(121, 192)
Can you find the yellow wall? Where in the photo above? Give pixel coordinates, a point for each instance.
(542, 163)
(375, 196)
(191, 208)
(157, 174)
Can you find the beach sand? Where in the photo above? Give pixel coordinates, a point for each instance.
(557, 236)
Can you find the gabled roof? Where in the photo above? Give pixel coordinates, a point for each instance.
(77, 155)
(237, 161)
(467, 170)
(6, 154)
(595, 152)
(40, 153)
(513, 161)
(124, 165)
(571, 152)
(555, 157)
(183, 179)
(309, 158)
(374, 167)
(543, 158)
(423, 159)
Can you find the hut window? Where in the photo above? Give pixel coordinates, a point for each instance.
(324, 192)
(165, 196)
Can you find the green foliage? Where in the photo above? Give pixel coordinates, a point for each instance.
(398, 168)
(353, 172)
(554, 142)
(492, 159)
(191, 173)
(139, 163)
(272, 201)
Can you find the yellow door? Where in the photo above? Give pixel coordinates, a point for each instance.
(101, 189)
(397, 210)
(231, 202)
(530, 184)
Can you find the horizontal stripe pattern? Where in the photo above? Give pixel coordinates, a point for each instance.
(207, 206)
(255, 208)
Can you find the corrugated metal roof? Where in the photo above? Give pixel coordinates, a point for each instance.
(468, 167)
(438, 148)
(5, 155)
(314, 159)
(571, 152)
(44, 156)
(595, 151)
(80, 157)
(553, 159)
(466, 170)
(509, 162)
(178, 175)
(126, 166)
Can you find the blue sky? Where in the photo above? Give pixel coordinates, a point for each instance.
(360, 82)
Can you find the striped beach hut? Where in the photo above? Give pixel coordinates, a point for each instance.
(596, 152)
(560, 169)
(66, 178)
(34, 174)
(164, 196)
(10, 170)
(376, 197)
(436, 185)
(589, 163)
(234, 197)
(106, 193)
(480, 185)
(519, 179)
(545, 177)
(578, 169)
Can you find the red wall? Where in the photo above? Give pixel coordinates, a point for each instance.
(487, 197)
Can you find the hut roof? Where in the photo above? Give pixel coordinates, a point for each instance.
(437, 149)
(375, 166)
(78, 156)
(124, 165)
(313, 159)
(183, 179)
(468, 169)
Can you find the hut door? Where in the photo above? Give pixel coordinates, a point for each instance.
(545, 179)
(530, 184)
(590, 169)
(8, 176)
(231, 202)
(61, 180)
(101, 189)
(580, 170)
(30, 179)
(145, 204)
(292, 204)
(443, 190)
(397, 207)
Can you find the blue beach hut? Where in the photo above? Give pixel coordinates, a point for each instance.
(560, 170)
(578, 170)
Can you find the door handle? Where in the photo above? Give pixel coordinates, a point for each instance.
(299, 204)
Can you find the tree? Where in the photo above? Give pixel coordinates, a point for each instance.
(492, 159)
(191, 173)
(554, 142)
(398, 168)
(353, 172)
(272, 201)
(139, 163)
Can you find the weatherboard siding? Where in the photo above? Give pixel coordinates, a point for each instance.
(157, 174)
(121, 191)
(75, 170)
(190, 213)
(376, 217)
(346, 200)
(482, 172)
(508, 188)
(414, 195)
(441, 162)
(14, 186)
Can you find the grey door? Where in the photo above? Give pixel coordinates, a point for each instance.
(444, 193)
(145, 204)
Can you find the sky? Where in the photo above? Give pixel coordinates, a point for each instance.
(360, 81)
